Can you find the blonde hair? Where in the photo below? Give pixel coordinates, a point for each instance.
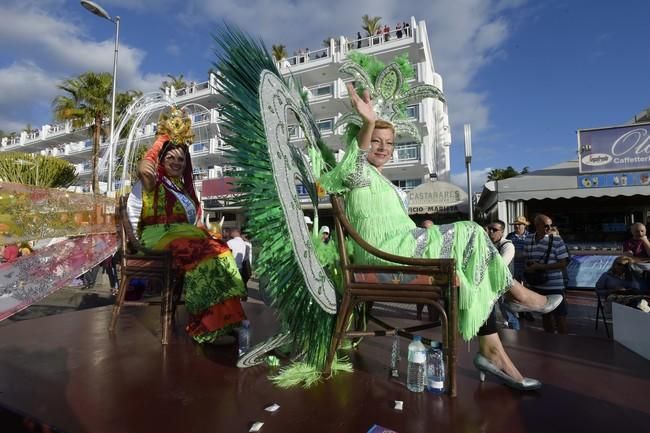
(383, 124)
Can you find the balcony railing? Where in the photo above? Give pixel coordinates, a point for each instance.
(406, 153)
(378, 39)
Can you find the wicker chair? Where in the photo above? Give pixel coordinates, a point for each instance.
(144, 263)
(429, 282)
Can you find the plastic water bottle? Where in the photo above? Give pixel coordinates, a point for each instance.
(435, 369)
(415, 374)
(244, 337)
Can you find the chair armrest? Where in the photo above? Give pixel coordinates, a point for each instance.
(446, 265)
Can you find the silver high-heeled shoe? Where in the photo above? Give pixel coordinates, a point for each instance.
(483, 365)
(552, 302)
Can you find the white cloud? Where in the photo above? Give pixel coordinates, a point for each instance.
(479, 177)
(59, 49)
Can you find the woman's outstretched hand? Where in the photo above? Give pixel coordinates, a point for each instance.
(147, 172)
(362, 105)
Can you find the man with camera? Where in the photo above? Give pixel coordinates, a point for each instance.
(546, 258)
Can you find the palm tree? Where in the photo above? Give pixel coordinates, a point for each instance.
(87, 103)
(505, 173)
(371, 25)
(176, 82)
(279, 52)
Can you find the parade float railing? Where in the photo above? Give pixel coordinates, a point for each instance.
(68, 233)
(405, 280)
(155, 266)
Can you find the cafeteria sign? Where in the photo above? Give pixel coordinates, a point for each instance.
(437, 198)
(615, 149)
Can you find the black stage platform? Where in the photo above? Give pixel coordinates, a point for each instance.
(67, 372)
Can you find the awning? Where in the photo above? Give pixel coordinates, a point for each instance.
(557, 181)
(437, 197)
(216, 188)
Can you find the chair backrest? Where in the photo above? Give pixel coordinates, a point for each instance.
(413, 265)
(129, 242)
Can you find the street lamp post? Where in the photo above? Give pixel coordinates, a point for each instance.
(468, 167)
(101, 12)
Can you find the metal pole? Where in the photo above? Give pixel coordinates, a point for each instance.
(468, 167)
(113, 139)
(470, 197)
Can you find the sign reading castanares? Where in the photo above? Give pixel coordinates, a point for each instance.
(614, 149)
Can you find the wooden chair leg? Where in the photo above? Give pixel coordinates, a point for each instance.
(452, 333)
(341, 321)
(121, 293)
(166, 310)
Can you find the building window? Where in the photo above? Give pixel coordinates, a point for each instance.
(293, 131)
(199, 147)
(407, 184)
(325, 125)
(301, 189)
(324, 90)
(407, 152)
(412, 111)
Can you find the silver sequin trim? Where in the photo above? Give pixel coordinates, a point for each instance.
(421, 235)
(358, 178)
(447, 231)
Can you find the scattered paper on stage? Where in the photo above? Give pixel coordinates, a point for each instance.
(399, 405)
(272, 408)
(256, 426)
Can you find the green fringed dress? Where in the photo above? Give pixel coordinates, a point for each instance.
(378, 211)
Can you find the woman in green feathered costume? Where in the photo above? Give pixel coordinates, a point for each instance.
(378, 210)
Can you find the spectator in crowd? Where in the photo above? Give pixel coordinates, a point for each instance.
(546, 257)
(377, 39)
(325, 234)
(638, 246)
(618, 279)
(241, 253)
(386, 33)
(506, 249)
(398, 29)
(407, 29)
(359, 40)
(518, 238)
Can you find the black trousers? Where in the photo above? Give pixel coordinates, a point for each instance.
(490, 325)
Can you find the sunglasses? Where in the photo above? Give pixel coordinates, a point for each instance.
(493, 229)
(548, 226)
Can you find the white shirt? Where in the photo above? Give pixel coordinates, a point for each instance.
(507, 249)
(239, 250)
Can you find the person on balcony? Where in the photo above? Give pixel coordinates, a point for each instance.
(378, 211)
(169, 212)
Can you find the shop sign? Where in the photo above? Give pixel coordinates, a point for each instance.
(615, 149)
(613, 180)
(437, 197)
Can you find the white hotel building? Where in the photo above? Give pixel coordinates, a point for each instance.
(412, 163)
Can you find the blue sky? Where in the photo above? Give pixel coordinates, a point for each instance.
(526, 75)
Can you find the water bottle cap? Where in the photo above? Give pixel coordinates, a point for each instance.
(417, 338)
(245, 323)
(436, 344)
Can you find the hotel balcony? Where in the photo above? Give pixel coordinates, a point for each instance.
(318, 66)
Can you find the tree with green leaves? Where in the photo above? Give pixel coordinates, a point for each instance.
(370, 24)
(279, 52)
(37, 170)
(178, 82)
(505, 173)
(88, 103)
